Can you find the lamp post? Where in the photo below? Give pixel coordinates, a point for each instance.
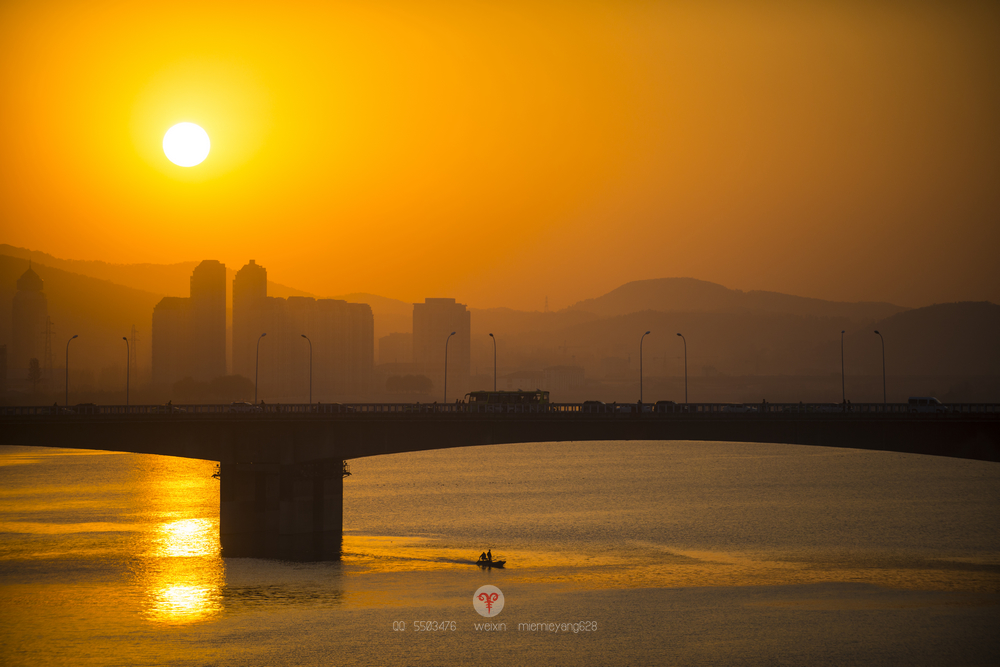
(883, 366)
(843, 382)
(310, 368)
(256, 368)
(685, 368)
(127, 358)
(494, 362)
(447, 340)
(67, 368)
(640, 364)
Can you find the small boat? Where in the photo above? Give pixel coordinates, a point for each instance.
(486, 562)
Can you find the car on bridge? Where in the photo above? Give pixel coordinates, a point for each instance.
(926, 404)
(244, 407)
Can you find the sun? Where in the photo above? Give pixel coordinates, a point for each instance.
(186, 144)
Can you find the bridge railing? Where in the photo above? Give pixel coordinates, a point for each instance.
(713, 410)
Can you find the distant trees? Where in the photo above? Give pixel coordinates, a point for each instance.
(34, 374)
(416, 384)
(223, 389)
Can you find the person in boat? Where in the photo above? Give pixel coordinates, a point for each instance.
(489, 555)
(482, 557)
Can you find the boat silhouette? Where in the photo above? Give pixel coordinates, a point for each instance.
(489, 562)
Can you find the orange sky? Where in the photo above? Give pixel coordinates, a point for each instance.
(502, 152)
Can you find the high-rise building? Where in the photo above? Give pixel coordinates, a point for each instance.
(28, 317)
(189, 333)
(347, 360)
(342, 336)
(172, 358)
(249, 290)
(208, 320)
(433, 322)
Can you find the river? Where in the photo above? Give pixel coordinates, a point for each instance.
(618, 553)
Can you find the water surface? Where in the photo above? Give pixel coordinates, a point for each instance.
(680, 552)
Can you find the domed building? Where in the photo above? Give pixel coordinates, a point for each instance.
(31, 308)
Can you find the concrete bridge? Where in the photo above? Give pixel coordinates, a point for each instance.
(282, 467)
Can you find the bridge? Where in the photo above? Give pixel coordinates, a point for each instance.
(281, 467)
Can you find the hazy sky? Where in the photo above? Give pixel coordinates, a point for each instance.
(502, 152)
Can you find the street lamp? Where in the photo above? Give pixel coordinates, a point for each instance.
(883, 366)
(127, 359)
(447, 340)
(256, 368)
(640, 365)
(67, 369)
(843, 382)
(685, 368)
(494, 362)
(310, 368)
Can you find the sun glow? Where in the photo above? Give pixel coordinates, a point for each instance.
(186, 144)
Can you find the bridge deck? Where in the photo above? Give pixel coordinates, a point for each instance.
(763, 408)
(281, 490)
(312, 432)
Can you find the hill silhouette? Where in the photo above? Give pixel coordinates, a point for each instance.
(506, 322)
(943, 339)
(165, 279)
(99, 311)
(692, 295)
(928, 350)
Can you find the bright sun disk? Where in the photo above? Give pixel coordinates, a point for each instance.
(186, 144)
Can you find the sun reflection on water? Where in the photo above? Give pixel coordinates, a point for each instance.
(188, 537)
(182, 573)
(184, 603)
(184, 577)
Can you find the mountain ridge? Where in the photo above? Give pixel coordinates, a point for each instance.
(694, 295)
(163, 279)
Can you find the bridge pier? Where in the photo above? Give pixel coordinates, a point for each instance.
(290, 511)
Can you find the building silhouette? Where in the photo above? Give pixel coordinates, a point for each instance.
(208, 320)
(342, 335)
(28, 317)
(249, 292)
(189, 333)
(433, 321)
(171, 340)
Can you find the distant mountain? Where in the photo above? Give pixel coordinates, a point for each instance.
(505, 322)
(729, 343)
(165, 279)
(957, 340)
(699, 296)
(944, 339)
(99, 311)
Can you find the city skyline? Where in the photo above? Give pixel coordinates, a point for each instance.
(744, 344)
